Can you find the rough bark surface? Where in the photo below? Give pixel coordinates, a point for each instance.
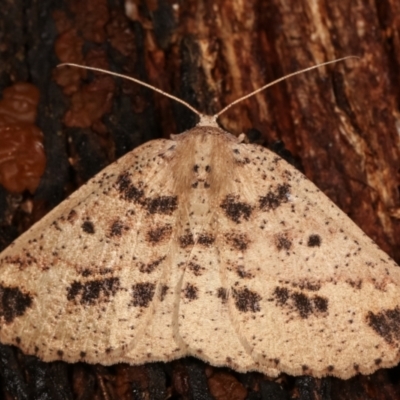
(340, 124)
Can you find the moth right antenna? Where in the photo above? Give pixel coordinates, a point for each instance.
(279, 80)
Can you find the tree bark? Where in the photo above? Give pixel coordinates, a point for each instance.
(340, 124)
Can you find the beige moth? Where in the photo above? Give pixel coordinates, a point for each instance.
(208, 246)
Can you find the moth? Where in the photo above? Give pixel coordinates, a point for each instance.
(202, 245)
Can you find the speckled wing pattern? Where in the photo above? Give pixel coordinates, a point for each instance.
(206, 246)
(82, 283)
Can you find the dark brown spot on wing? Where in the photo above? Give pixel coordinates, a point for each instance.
(21, 262)
(117, 228)
(242, 161)
(186, 240)
(355, 284)
(283, 242)
(320, 303)
(13, 303)
(162, 205)
(88, 227)
(274, 198)
(281, 295)
(195, 268)
(127, 190)
(386, 324)
(159, 234)
(239, 241)
(72, 216)
(308, 285)
(246, 300)
(90, 292)
(314, 241)
(150, 267)
(241, 271)
(302, 304)
(190, 292)
(142, 294)
(222, 294)
(299, 302)
(206, 239)
(163, 292)
(236, 210)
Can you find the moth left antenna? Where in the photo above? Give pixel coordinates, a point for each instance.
(136, 81)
